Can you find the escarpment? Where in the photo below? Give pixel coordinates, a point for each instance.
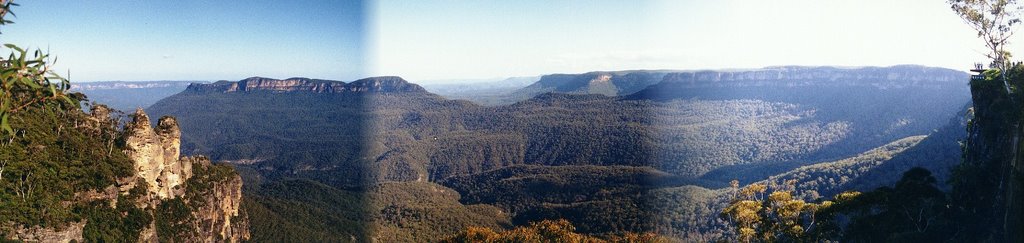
(385, 84)
(993, 164)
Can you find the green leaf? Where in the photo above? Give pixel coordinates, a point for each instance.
(8, 71)
(68, 99)
(5, 125)
(21, 59)
(12, 46)
(30, 83)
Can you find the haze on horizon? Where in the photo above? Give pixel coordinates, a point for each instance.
(473, 40)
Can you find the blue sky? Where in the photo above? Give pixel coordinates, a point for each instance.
(196, 40)
(490, 39)
(448, 39)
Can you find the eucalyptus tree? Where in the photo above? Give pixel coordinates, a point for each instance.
(994, 21)
(27, 79)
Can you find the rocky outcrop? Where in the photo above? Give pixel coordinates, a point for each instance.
(156, 153)
(220, 217)
(70, 233)
(162, 190)
(215, 195)
(261, 84)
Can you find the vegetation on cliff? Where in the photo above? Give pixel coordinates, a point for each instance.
(51, 153)
(308, 211)
(914, 210)
(545, 231)
(182, 217)
(984, 185)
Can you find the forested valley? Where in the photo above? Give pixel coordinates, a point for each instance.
(652, 161)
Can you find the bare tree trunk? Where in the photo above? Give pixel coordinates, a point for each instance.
(25, 186)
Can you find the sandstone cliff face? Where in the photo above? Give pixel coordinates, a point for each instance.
(219, 218)
(254, 84)
(156, 154)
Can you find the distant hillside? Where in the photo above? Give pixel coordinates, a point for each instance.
(485, 93)
(605, 83)
(292, 124)
(682, 84)
(940, 153)
(877, 102)
(830, 178)
(128, 95)
(669, 84)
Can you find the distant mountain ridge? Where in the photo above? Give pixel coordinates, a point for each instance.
(880, 77)
(606, 83)
(385, 84)
(485, 93)
(108, 85)
(644, 83)
(129, 95)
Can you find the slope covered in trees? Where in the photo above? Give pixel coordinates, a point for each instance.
(308, 211)
(830, 178)
(545, 231)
